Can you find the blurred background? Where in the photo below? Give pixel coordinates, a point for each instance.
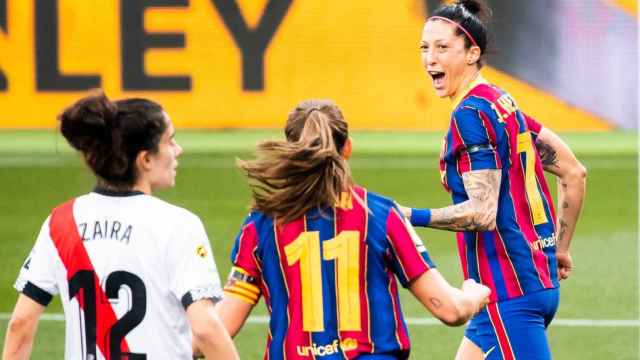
(229, 71)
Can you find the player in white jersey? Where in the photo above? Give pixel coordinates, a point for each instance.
(136, 274)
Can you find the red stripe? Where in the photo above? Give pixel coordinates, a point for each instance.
(462, 250)
(401, 332)
(64, 233)
(486, 122)
(522, 208)
(501, 332)
(248, 242)
(510, 276)
(484, 269)
(356, 220)
(295, 336)
(411, 261)
(464, 161)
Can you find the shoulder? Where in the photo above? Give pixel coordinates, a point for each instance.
(165, 212)
(378, 204)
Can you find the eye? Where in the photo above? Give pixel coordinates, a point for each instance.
(442, 47)
(424, 47)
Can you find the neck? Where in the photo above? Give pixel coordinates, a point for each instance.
(143, 186)
(467, 78)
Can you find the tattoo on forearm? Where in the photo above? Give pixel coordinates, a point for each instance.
(435, 302)
(548, 155)
(563, 229)
(479, 212)
(565, 205)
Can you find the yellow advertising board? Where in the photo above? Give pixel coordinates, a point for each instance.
(235, 63)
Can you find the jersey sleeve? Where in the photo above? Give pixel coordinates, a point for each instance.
(245, 274)
(409, 256)
(37, 278)
(474, 145)
(533, 125)
(192, 269)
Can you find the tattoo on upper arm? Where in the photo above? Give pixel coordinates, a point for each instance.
(477, 213)
(548, 154)
(435, 302)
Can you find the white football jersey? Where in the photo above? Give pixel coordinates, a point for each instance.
(126, 267)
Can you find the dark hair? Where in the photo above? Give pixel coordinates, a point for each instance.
(289, 178)
(111, 134)
(473, 16)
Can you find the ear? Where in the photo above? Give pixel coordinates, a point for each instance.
(473, 55)
(346, 149)
(143, 162)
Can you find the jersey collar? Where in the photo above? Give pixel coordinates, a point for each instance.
(479, 80)
(109, 192)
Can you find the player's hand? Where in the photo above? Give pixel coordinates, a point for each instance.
(565, 265)
(478, 292)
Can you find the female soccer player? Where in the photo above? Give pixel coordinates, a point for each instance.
(323, 252)
(134, 273)
(492, 161)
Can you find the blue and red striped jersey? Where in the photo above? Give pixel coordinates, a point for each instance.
(329, 278)
(488, 131)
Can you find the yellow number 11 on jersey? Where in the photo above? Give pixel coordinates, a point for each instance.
(345, 250)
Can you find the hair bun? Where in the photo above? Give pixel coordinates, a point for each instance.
(88, 123)
(477, 8)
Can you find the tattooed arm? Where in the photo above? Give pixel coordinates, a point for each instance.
(558, 159)
(476, 214)
(451, 305)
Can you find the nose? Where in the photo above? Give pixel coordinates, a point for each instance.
(429, 57)
(178, 149)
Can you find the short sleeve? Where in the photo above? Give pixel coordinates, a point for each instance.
(409, 256)
(37, 278)
(533, 125)
(243, 280)
(193, 271)
(474, 142)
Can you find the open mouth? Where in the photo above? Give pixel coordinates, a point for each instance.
(438, 78)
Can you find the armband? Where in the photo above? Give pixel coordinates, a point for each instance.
(242, 286)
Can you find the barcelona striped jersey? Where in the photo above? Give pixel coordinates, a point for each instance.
(488, 131)
(329, 278)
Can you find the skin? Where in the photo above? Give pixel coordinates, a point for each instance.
(156, 170)
(451, 305)
(444, 51)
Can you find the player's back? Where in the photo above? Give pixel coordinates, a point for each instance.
(328, 278)
(124, 266)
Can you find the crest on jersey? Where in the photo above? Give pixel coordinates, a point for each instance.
(201, 251)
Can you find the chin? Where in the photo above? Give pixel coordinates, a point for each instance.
(442, 93)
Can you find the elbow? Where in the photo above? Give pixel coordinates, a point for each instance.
(578, 173)
(453, 317)
(484, 220)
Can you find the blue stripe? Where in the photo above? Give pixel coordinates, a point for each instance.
(515, 242)
(382, 323)
(472, 258)
(274, 278)
(494, 264)
(324, 223)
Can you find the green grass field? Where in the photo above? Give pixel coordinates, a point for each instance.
(38, 171)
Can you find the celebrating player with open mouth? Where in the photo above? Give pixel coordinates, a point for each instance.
(134, 273)
(492, 163)
(323, 252)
